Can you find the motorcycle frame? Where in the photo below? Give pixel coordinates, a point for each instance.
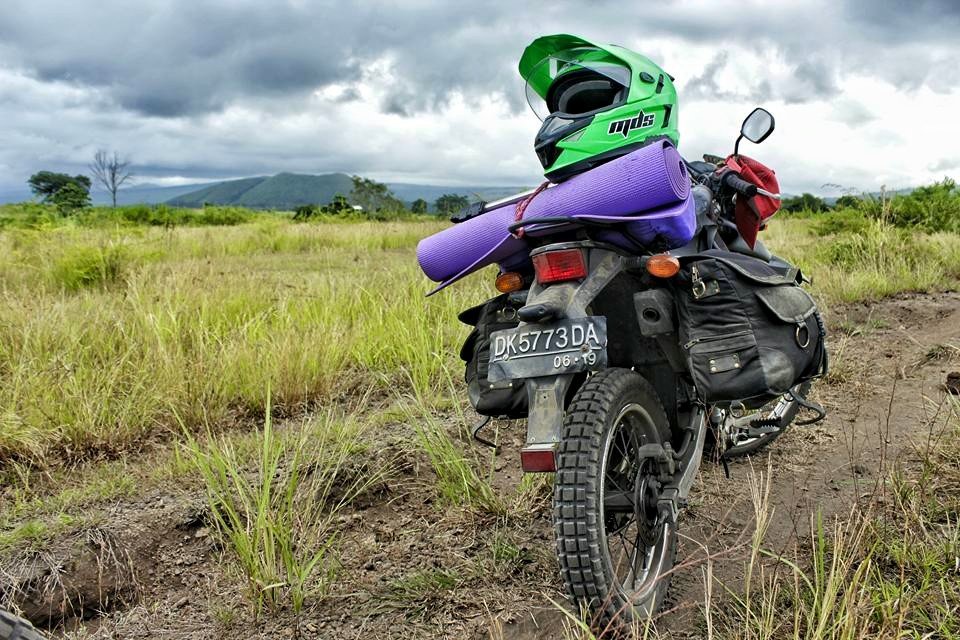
(547, 395)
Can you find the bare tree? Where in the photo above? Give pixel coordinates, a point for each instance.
(109, 171)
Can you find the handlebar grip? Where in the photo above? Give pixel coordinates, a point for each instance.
(738, 184)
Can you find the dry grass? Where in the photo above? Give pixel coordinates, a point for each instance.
(887, 568)
(872, 263)
(196, 324)
(112, 338)
(115, 343)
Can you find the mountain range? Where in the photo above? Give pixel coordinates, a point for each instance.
(283, 191)
(288, 190)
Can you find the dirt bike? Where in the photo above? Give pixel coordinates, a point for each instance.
(596, 357)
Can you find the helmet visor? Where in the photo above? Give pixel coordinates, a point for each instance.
(576, 82)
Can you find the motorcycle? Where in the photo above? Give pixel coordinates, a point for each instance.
(596, 356)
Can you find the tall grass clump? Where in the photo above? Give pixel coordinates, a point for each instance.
(90, 266)
(458, 480)
(868, 259)
(886, 569)
(882, 259)
(276, 509)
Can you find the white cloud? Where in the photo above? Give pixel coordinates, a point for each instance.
(861, 98)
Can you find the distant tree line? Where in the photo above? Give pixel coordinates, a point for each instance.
(368, 198)
(934, 207)
(374, 200)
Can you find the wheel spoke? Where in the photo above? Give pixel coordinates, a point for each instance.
(636, 556)
(621, 449)
(625, 558)
(615, 483)
(631, 577)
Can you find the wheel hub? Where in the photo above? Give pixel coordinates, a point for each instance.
(646, 497)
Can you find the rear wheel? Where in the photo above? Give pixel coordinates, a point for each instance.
(615, 548)
(15, 628)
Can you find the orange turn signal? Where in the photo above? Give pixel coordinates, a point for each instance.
(662, 265)
(509, 282)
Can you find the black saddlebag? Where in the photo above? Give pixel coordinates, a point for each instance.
(749, 331)
(502, 399)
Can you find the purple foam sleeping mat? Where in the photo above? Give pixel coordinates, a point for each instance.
(648, 187)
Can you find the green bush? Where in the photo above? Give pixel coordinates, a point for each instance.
(90, 266)
(305, 211)
(877, 244)
(803, 203)
(70, 198)
(841, 221)
(162, 215)
(222, 216)
(935, 207)
(29, 215)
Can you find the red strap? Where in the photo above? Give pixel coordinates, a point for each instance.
(523, 204)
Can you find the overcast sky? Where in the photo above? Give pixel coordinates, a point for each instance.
(864, 93)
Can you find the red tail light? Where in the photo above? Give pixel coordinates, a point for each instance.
(538, 458)
(560, 266)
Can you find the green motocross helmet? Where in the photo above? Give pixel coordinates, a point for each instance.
(597, 102)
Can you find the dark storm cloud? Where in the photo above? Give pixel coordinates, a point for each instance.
(706, 84)
(896, 21)
(184, 58)
(158, 78)
(816, 78)
(807, 81)
(908, 44)
(171, 59)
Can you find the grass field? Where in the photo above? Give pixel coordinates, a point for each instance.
(112, 337)
(141, 332)
(159, 349)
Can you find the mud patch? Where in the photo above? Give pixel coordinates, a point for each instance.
(90, 573)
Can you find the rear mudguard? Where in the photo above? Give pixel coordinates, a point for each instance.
(568, 300)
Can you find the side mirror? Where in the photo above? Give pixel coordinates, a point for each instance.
(757, 126)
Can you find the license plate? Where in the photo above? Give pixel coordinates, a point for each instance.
(534, 350)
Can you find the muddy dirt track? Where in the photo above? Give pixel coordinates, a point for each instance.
(151, 569)
(889, 370)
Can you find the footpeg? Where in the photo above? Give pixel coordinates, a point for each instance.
(764, 426)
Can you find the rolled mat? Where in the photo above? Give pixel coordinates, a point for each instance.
(649, 178)
(665, 228)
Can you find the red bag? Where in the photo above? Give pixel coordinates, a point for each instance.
(751, 213)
